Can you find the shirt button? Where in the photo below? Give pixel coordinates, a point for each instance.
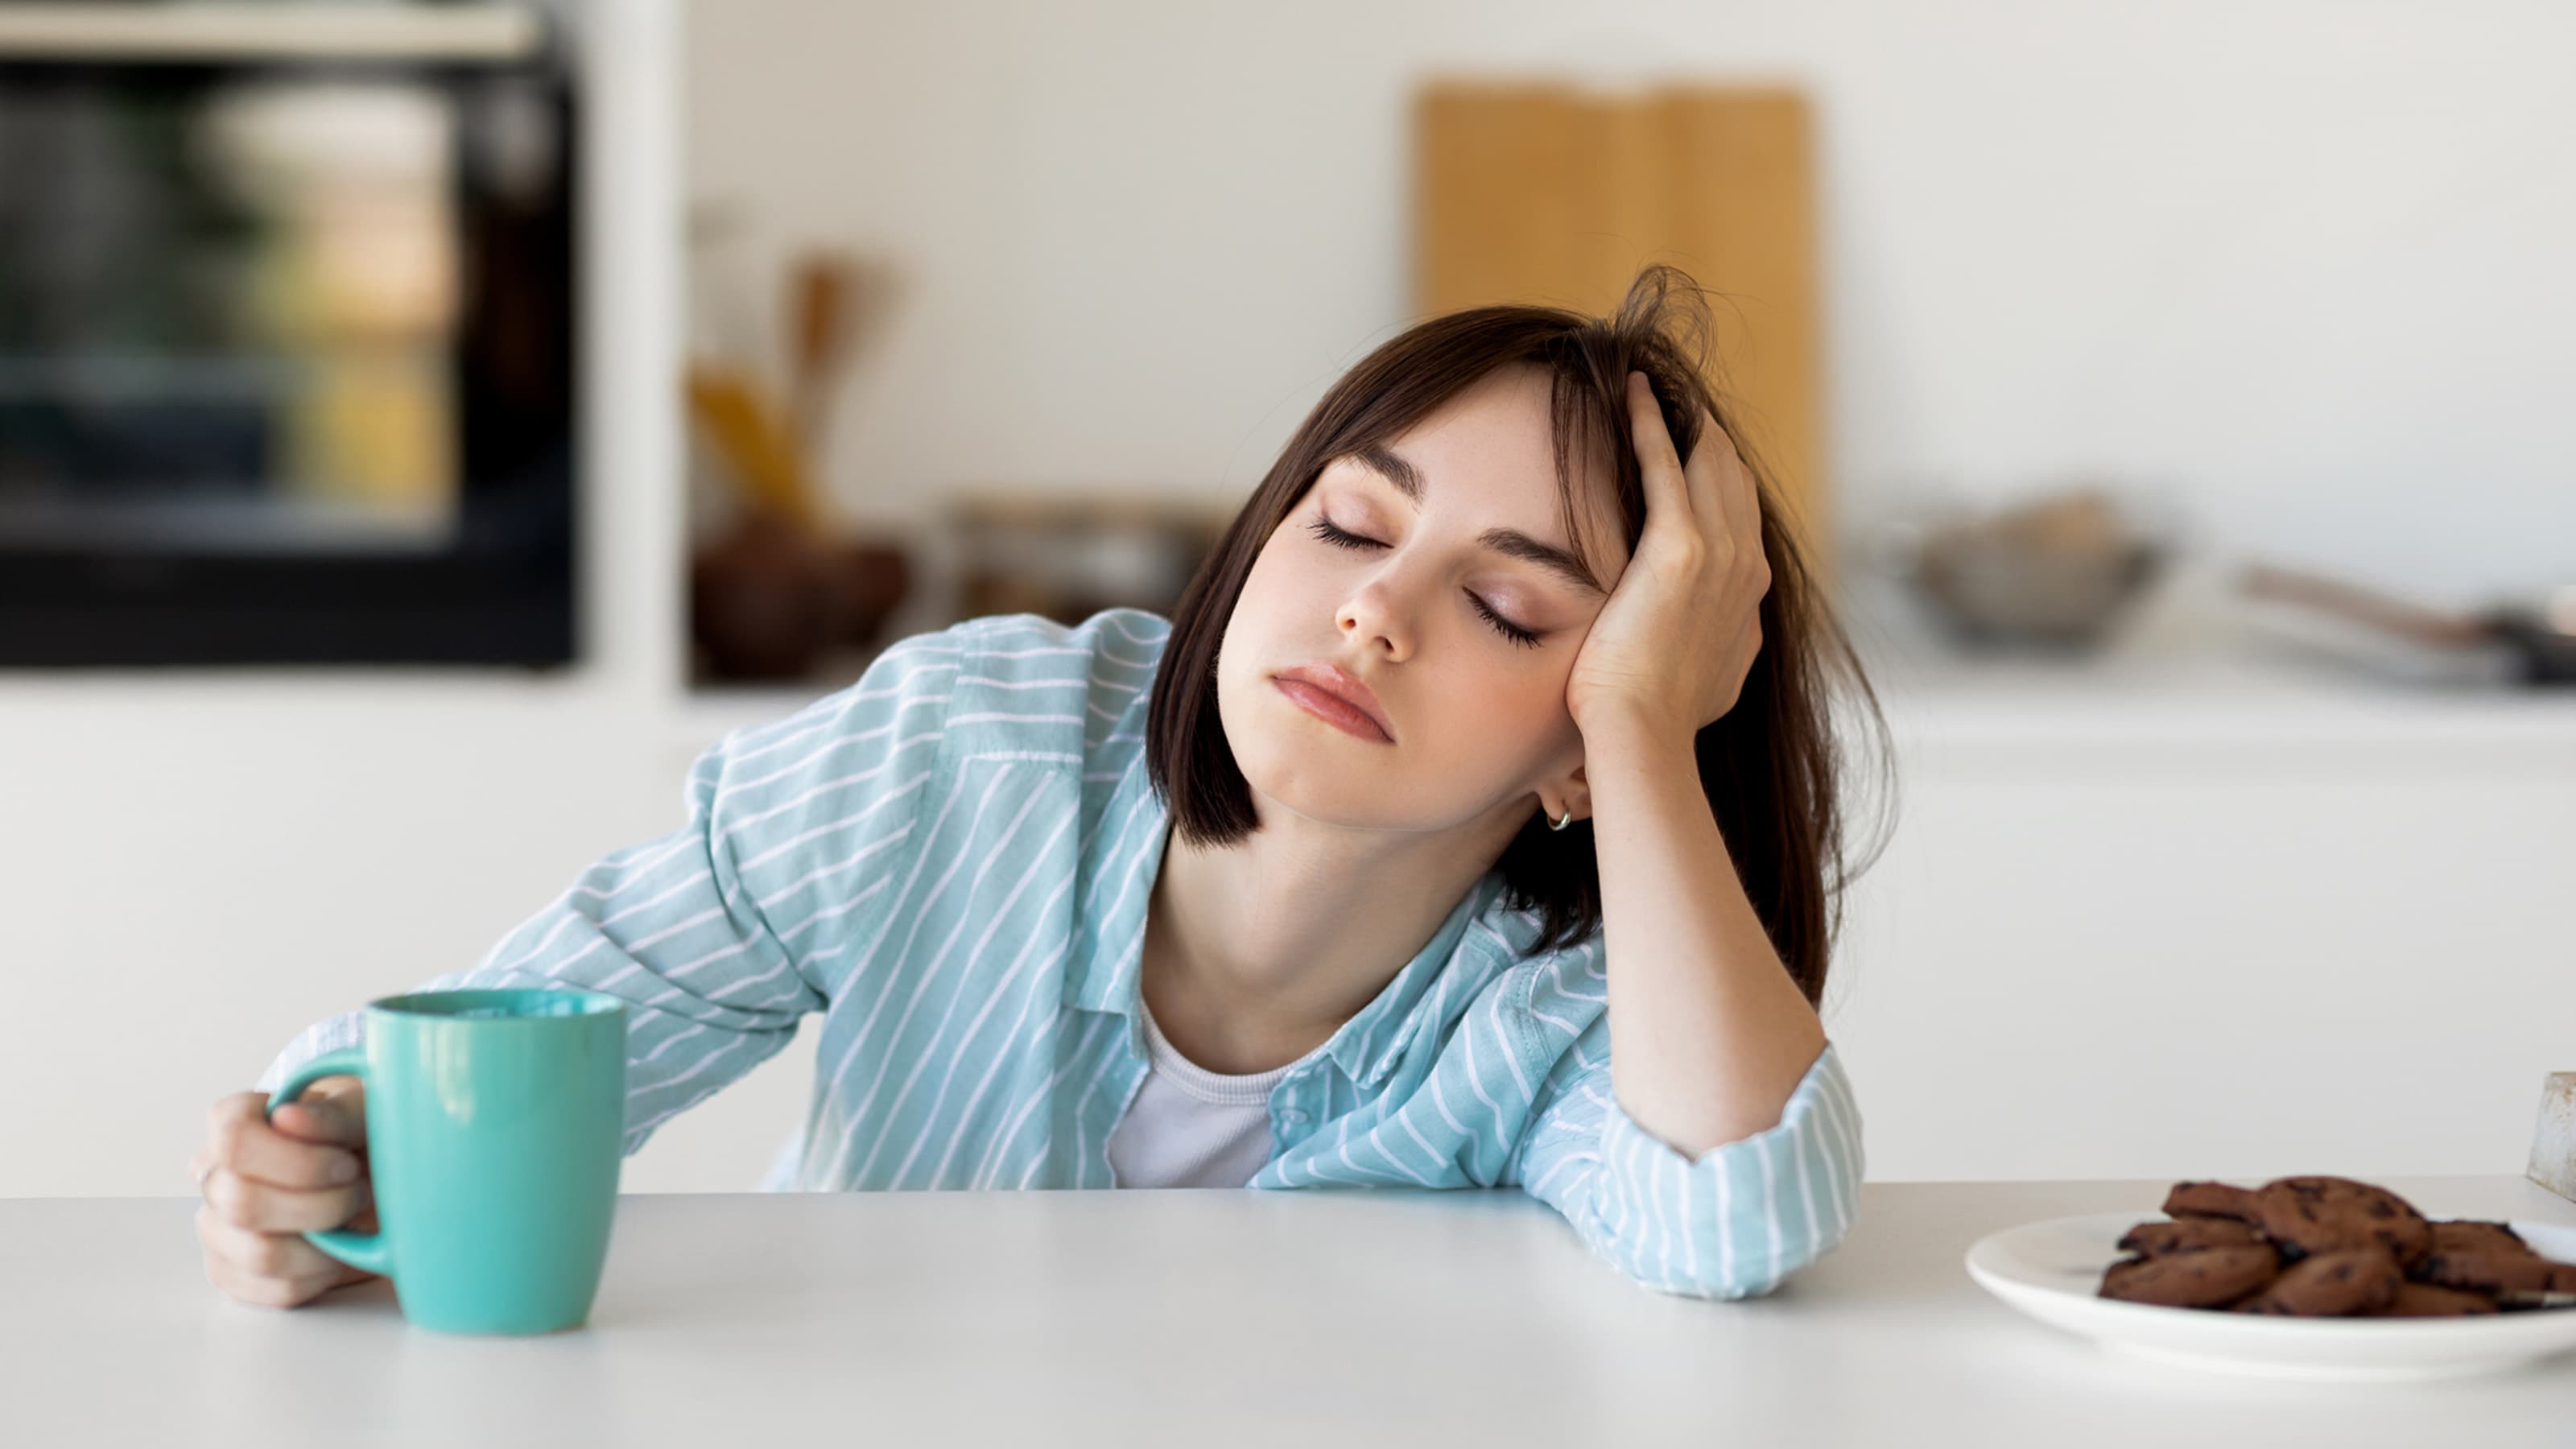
(1292, 1115)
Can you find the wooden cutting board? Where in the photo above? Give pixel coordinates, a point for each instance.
(1534, 192)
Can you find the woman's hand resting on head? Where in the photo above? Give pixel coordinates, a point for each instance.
(1669, 652)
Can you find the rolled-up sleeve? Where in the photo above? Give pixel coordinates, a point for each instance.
(1733, 1222)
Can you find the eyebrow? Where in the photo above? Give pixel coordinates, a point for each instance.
(1510, 542)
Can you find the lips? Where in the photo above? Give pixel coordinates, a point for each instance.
(1338, 698)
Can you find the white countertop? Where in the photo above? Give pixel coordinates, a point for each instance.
(1199, 1318)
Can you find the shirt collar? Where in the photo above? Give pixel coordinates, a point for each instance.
(1117, 880)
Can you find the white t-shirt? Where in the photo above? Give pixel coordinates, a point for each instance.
(1190, 1127)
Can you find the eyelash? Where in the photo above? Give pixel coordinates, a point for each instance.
(1323, 528)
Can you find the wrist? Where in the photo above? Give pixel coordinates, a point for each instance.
(1628, 731)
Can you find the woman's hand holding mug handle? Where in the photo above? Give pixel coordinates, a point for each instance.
(266, 1181)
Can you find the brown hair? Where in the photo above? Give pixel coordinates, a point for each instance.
(1769, 765)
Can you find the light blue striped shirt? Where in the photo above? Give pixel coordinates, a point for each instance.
(951, 861)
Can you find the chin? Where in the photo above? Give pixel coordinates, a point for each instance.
(1314, 779)
(1308, 776)
(1317, 773)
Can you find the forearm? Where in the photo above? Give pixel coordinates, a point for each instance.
(1709, 1034)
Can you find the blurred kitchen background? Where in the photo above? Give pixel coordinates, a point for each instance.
(424, 427)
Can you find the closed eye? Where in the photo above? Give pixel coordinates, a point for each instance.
(1323, 528)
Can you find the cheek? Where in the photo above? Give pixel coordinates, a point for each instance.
(1268, 595)
(1276, 583)
(1525, 697)
(1504, 717)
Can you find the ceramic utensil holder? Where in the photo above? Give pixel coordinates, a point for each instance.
(2553, 1137)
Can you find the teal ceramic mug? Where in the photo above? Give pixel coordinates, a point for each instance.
(494, 1126)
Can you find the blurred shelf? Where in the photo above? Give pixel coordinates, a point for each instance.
(2194, 672)
(2216, 699)
(2114, 710)
(2184, 681)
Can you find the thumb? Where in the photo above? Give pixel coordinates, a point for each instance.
(315, 1117)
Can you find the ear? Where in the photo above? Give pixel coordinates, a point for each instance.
(1564, 792)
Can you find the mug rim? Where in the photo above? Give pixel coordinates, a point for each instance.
(403, 1004)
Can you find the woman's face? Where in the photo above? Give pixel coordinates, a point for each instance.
(1437, 597)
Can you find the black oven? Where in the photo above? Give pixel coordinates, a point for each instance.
(287, 361)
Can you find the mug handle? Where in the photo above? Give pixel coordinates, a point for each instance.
(368, 1252)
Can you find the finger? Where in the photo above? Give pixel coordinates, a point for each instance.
(267, 1255)
(246, 1143)
(266, 1292)
(1666, 494)
(1738, 668)
(262, 1207)
(333, 1109)
(246, 1288)
(1722, 485)
(306, 1119)
(1704, 473)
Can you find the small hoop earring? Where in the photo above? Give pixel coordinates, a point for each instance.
(1563, 820)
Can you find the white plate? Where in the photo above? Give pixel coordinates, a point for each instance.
(2053, 1272)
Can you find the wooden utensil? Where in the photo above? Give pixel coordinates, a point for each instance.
(2542, 643)
(755, 442)
(825, 287)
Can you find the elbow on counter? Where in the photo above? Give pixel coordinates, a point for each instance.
(1743, 1217)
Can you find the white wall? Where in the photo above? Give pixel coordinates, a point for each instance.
(2299, 263)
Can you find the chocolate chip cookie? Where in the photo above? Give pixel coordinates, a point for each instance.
(2331, 1285)
(2205, 1278)
(2424, 1300)
(2488, 1258)
(2318, 1215)
(2209, 1200)
(2187, 1235)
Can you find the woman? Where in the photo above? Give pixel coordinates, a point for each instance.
(1492, 733)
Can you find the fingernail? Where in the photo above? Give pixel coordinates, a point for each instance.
(344, 1170)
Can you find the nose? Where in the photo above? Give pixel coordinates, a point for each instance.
(1377, 621)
